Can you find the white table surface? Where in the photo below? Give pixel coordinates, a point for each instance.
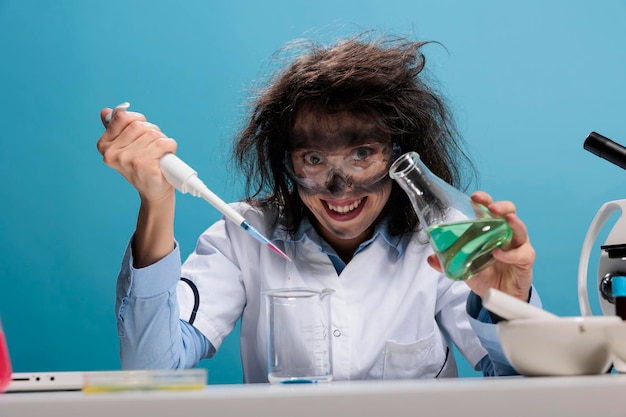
(590, 396)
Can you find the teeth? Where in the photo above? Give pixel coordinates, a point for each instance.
(345, 209)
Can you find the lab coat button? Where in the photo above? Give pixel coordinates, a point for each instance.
(336, 332)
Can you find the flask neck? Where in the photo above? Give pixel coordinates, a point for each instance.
(422, 188)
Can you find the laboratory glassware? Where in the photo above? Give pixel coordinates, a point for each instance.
(462, 232)
(5, 362)
(299, 345)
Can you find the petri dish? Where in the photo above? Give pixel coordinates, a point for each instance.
(145, 380)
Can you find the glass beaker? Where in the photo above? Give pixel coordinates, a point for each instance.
(5, 362)
(299, 348)
(462, 233)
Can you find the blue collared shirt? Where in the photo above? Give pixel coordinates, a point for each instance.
(381, 230)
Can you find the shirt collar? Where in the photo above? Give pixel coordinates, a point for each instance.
(306, 229)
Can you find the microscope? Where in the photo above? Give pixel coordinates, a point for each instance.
(612, 262)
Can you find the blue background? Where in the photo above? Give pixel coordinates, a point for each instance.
(528, 80)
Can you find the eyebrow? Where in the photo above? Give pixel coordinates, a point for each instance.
(355, 138)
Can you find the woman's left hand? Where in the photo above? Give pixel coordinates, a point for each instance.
(512, 272)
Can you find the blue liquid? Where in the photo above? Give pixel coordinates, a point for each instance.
(298, 381)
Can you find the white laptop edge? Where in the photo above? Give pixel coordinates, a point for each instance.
(46, 381)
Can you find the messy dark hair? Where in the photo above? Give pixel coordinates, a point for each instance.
(381, 78)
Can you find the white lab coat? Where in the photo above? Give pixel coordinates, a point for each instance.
(393, 316)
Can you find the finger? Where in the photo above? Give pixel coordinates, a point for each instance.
(110, 145)
(497, 207)
(152, 145)
(522, 256)
(119, 121)
(104, 114)
(481, 197)
(140, 161)
(502, 208)
(519, 233)
(434, 263)
(122, 107)
(137, 143)
(137, 130)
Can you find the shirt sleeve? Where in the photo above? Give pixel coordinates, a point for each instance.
(150, 332)
(495, 362)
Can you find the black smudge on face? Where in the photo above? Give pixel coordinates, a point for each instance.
(338, 186)
(332, 131)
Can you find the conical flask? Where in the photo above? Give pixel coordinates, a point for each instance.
(462, 233)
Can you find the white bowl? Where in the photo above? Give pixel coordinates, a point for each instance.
(616, 340)
(559, 347)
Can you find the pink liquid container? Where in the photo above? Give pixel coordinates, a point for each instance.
(5, 362)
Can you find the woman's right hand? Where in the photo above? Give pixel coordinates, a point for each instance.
(133, 147)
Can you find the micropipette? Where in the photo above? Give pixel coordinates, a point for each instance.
(185, 179)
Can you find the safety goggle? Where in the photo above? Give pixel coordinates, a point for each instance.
(358, 167)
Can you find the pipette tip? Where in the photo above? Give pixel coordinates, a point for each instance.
(258, 236)
(278, 251)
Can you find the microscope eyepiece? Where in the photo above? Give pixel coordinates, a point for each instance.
(607, 149)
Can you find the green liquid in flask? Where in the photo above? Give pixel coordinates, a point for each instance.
(464, 248)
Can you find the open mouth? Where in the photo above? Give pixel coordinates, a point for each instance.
(346, 210)
(343, 209)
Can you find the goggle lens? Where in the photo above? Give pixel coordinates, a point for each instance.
(358, 167)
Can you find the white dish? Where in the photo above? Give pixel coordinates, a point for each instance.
(616, 340)
(557, 347)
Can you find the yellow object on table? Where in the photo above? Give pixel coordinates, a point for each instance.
(145, 380)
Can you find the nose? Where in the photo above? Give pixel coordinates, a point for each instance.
(338, 182)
